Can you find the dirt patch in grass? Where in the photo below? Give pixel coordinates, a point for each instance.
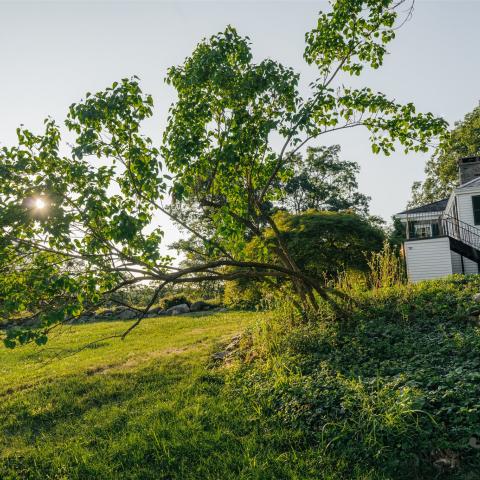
(137, 360)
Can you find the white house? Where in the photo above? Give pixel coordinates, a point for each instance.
(444, 237)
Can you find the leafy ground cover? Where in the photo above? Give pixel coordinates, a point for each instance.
(389, 391)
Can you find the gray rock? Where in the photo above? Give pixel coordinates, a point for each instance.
(229, 352)
(156, 312)
(233, 345)
(127, 314)
(476, 297)
(199, 306)
(219, 356)
(178, 309)
(474, 442)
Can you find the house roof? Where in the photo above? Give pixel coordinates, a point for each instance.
(470, 184)
(438, 206)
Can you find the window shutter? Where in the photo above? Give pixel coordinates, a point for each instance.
(476, 209)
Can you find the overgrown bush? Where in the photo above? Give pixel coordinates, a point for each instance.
(242, 294)
(172, 301)
(386, 268)
(322, 243)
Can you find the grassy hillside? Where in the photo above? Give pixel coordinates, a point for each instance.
(388, 390)
(144, 408)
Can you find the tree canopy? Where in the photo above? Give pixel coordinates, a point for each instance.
(321, 181)
(80, 225)
(442, 167)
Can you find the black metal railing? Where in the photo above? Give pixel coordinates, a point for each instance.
(462, 231)
(428, 225)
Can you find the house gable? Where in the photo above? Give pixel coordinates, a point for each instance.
(463, 197)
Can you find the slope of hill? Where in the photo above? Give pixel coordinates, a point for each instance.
(388, 390)
(146, 407)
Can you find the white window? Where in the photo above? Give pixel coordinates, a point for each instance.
(423, 230)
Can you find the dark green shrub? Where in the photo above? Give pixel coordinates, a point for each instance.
(242, 294)
(322, 243)
(172, 301)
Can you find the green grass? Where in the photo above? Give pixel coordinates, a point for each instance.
(389, 390)
(163, 338)
(147, 407)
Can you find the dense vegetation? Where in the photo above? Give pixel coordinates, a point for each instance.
(388, 391)
(323, 244)
(391, 391)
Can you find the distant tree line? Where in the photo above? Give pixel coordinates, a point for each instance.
(441, 169)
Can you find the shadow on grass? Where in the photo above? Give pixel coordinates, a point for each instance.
(167, 421)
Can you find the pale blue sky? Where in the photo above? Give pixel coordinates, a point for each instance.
(52, 53)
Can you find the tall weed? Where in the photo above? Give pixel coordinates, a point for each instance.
(386, 268)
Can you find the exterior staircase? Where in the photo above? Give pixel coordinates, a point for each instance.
(464, 238)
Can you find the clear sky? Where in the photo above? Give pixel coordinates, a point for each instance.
(51, 53)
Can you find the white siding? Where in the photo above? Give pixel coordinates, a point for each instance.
(457, 263)
(449, 210)
(429, 258)
(470, 266)
(465, 208)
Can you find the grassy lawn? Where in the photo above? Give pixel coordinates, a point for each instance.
(146, 407)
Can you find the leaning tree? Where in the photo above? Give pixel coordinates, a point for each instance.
(78, 220)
